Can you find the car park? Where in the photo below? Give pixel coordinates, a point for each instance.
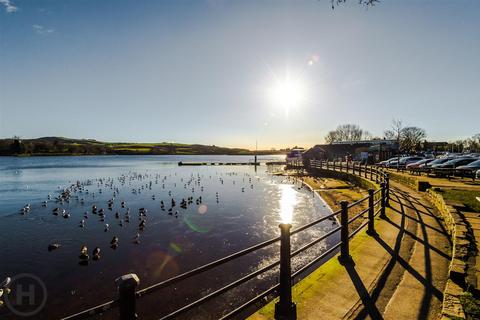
(451, 164)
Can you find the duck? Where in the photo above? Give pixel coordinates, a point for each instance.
(107, 227)
(84, 253)
(82, 223)
(96, 253)
(114, 242)
(53, 246)
(136, 239)
(142, 224)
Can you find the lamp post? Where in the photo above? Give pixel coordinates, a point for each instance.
(285, 309)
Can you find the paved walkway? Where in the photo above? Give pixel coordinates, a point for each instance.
(399, 274)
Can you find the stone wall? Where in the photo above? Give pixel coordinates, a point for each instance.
(461, 236)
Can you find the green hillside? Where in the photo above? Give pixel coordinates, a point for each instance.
(64, 146)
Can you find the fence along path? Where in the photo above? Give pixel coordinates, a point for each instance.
(127, 284)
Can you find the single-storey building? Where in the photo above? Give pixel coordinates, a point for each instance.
(365, 150)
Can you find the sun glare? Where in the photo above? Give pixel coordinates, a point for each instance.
(288, 93)
(288, 200)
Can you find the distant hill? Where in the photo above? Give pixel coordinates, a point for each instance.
(46, 146)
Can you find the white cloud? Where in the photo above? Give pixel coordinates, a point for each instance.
(9, 6)
(41, 30)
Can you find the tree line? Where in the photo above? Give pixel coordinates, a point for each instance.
(410, 139)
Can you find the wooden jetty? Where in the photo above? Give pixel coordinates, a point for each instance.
(182, 163)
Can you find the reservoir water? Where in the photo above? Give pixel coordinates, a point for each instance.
(231, 208)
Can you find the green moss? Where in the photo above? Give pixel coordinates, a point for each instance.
(466, 197)
(471, 306)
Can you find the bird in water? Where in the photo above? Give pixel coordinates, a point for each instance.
(96, 253)
(136, 239)
(4, 288)
(53, 246)
(114, 242)
(107, 227)
(82, 223)
(84, 253)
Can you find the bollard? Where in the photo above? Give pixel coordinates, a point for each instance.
(126, 285)
(371, 213)
(285, 309)
(344, 257)
(387, 186)
(382, 201)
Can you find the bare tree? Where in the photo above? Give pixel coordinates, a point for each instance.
(365, 2)
(473, 143)
(347, 132)
(411, 137)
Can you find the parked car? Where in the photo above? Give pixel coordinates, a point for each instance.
(392, 163)
(417, 164)
(470, 168)
(475, 165)
(407, 160)
(451, 164)
(385, 162)
(435, 162)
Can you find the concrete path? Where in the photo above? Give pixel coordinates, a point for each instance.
(399, 274)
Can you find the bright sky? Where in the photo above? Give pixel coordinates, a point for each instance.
(232, 72)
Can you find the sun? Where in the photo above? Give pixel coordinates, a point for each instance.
(287, 93)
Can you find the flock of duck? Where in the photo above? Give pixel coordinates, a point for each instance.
(80, 193)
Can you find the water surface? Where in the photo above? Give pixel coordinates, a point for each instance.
(239, 207)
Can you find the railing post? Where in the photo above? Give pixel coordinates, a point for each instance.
(371, 173)
(371, 214)
(382, 201)
(340, 166)
(366, 171)
(344, 257)
(347, 165)
(334, 164)
(285, 309)
(126, 285)
(387, 191)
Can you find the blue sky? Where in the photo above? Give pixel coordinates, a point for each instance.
(203, 71)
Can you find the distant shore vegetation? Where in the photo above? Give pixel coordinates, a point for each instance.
(55, 146)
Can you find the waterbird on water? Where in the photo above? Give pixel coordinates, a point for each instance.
(114, 242)
(84, 253)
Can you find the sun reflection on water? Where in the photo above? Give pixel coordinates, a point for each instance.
(288, 200)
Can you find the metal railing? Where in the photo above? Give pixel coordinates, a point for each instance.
(377, 201)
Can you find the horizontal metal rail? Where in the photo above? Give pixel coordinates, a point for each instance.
(206, 267)
(221, 290)
(358, 215)
(312, 243)
(93, 311)
(250, 302)
(310, 224)
(363, 225)
(320, 257)
(353, 204)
